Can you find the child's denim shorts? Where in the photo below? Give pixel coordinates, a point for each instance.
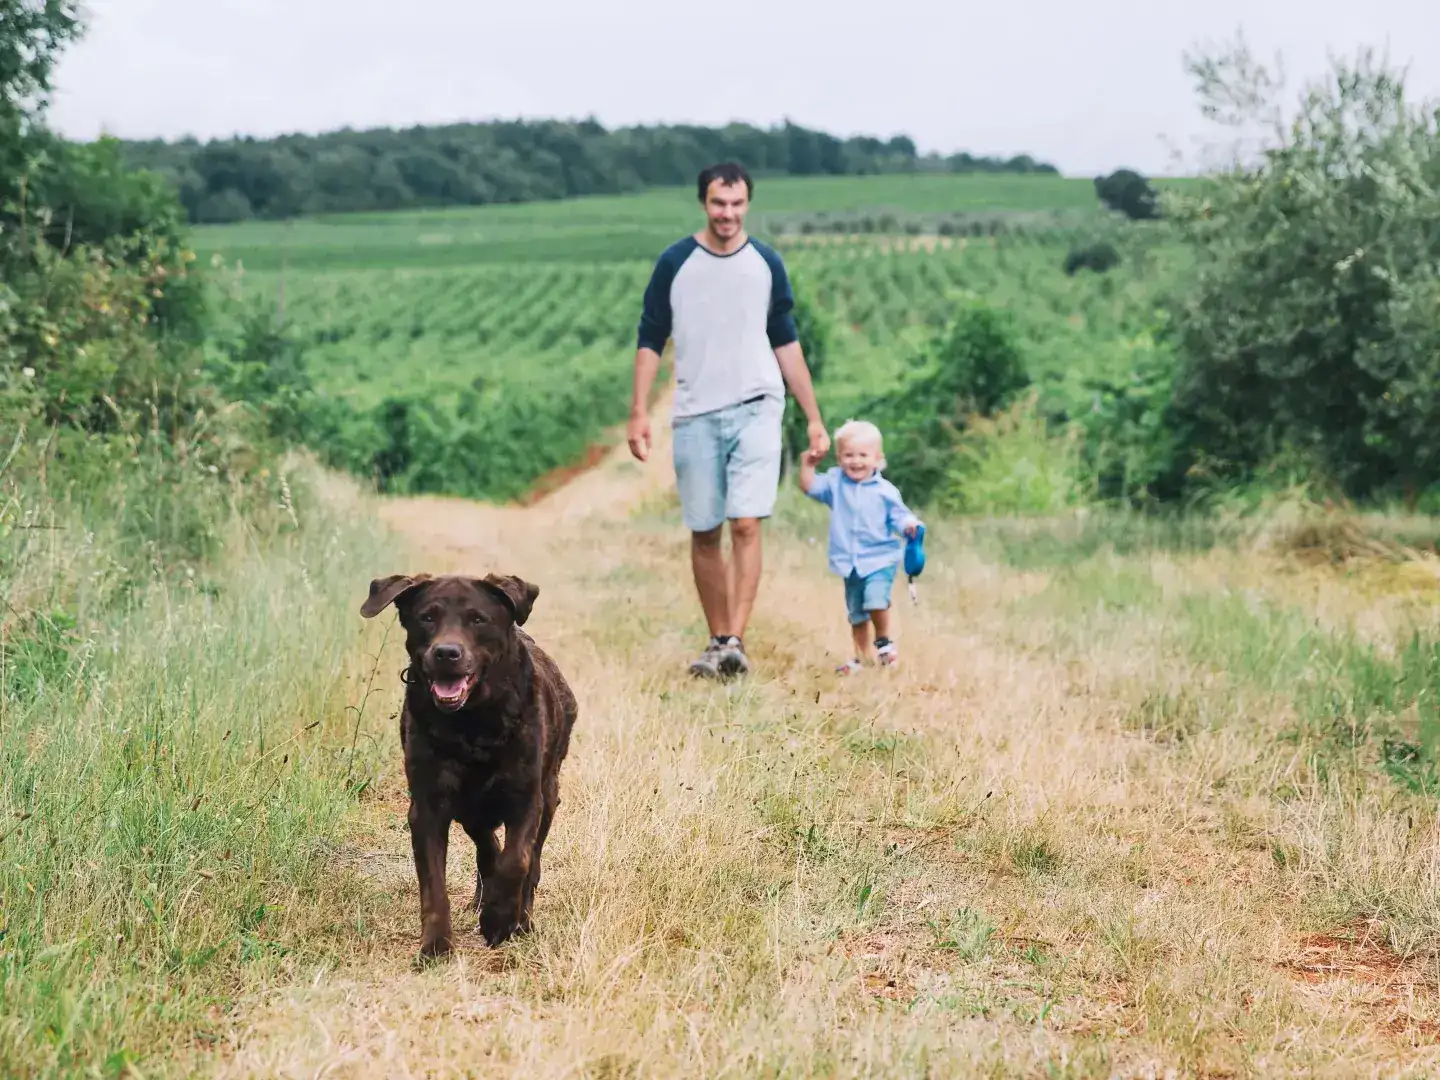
(867, 594)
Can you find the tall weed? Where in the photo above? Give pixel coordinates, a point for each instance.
(1011, 464)
(173, 776)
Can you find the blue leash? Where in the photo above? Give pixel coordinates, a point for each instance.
(915, 559)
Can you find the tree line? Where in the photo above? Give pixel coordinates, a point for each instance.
(237, 179)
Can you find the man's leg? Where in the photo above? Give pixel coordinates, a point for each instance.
(707, 560)
(700, 479)
(744, 577)
(752, 483)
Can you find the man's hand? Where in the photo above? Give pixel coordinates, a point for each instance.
(819, 439)
(811, 457)
(912, 528)
(637, 433)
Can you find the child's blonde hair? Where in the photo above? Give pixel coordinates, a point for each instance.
(862, 431)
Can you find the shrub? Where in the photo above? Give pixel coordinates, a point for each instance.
(1100, 257)
(817, 334)
(1130, 193)
(1012, 464)
(1311, 324)
(972, 367)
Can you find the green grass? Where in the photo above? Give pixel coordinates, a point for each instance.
(175, 773)
(604, 228)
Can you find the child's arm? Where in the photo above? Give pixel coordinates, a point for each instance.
(817, 487)
(900, 517)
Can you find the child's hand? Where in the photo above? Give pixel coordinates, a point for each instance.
(812, 457)
(912, 528)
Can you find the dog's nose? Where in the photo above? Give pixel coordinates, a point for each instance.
(447, 654)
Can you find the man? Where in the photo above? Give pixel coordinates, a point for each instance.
(726, 300)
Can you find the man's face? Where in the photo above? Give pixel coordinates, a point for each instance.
(725, 206)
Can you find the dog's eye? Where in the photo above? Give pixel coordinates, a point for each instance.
(427, 619)
(477, 619)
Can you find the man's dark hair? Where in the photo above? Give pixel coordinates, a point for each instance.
(728, 172)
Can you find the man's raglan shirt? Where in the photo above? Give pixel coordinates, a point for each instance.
(727, 314)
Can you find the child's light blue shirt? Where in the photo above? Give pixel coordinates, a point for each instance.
(866, 521)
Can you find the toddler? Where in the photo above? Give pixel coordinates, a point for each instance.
(867, 518)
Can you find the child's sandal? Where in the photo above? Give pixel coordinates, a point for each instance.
(850, 667)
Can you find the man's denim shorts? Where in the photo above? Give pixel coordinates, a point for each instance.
(869, 593)
(727, 463)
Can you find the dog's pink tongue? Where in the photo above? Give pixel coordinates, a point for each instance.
(452, 689)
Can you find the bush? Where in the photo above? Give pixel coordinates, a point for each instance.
(972, 367)
(1130, 193)
(1131, 446)
(817, 334)
(1311, 325)
(1012, 464)
(252, 359)
(1100, 257)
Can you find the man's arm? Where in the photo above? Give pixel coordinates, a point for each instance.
(647, 364)
(654, 330)
(791, 359)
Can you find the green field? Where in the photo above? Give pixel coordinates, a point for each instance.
(609, 228)
(471, 351)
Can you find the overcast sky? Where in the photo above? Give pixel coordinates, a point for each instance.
(1086, 84)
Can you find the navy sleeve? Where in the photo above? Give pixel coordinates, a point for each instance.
(655, 314)
(780, 326)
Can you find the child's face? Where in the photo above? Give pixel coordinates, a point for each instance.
(859, 458)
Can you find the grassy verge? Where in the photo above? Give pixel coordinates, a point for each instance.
(1300, 698)
(179, 750)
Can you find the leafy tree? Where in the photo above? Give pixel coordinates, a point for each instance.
(513, 161)
(1312, 326)
(1130, 193)
(32, 33)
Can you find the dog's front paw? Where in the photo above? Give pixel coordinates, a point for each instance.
(499, 921)
(434, 948)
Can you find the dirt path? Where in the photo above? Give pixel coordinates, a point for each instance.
(971, 864)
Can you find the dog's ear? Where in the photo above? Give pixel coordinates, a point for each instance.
(519, 596)
(385, 591)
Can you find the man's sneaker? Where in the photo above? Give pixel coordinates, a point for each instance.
(732, 657)
(707, 664)
(850, 667)
(886, 652)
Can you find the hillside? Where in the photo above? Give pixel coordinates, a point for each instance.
(611, 228)
(472, 351)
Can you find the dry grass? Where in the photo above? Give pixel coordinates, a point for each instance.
(1072, 836)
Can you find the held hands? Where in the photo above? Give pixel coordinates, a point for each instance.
(819, 441)
(912, 528)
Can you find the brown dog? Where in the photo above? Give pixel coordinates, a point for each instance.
(485, 726)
